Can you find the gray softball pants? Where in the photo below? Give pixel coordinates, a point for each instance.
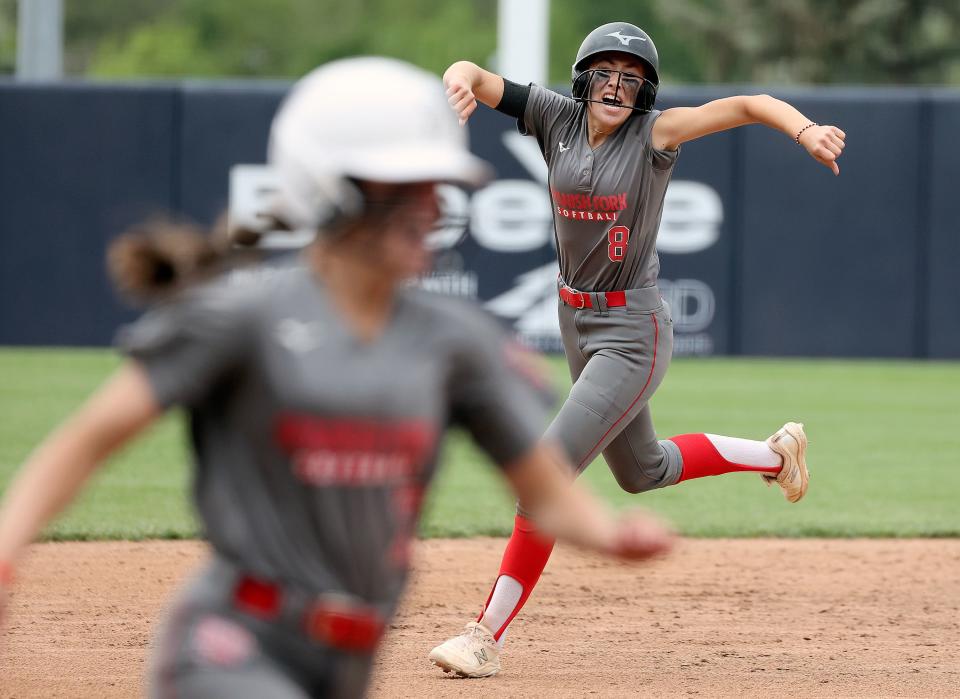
(617, 359)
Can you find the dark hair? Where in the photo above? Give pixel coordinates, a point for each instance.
(157, 258)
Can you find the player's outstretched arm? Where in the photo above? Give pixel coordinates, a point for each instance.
(683, 124)
(542, 481)
(466, 83)
(53, 475)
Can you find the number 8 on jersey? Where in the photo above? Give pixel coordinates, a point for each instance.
(617, 238)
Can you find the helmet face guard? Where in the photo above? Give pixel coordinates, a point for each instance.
(615, 88)
(392, 204)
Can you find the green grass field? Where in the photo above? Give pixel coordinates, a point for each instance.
(884, 451)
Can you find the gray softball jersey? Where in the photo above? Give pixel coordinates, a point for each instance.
(607, 203)
(313, 448)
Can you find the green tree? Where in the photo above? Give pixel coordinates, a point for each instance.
(760, 41)
(87, 24)
(288, 37)
(8, 36)
(822, 41)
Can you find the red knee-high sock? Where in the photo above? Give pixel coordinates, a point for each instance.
(701, 458)
(524, 559)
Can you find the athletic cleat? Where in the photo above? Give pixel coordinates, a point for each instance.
(790, 443)
(474, 653)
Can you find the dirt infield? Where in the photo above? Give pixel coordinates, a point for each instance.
(717, 618)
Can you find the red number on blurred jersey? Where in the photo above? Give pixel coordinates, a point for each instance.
(617, 237)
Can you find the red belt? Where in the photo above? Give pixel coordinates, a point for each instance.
(582, 299)
(334, 620)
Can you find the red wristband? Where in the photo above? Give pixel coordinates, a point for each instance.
(6, 573)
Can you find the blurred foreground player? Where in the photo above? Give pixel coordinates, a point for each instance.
(317, 396)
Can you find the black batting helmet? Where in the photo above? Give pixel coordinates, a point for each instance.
(621, 37)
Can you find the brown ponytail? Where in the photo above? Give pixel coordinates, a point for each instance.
(157, 258)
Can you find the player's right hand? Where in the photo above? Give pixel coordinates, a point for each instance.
(825, 144)
(460, 96)
(640, 535)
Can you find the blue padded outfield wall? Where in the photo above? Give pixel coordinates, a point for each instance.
(763, 251)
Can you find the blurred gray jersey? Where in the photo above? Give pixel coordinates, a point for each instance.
(313, 448)
(607, 202)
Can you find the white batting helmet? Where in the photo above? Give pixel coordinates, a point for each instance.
(372, 119)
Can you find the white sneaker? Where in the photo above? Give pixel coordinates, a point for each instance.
(474, 653)
(790, 443)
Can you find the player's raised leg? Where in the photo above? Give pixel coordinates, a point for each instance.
(641, 462)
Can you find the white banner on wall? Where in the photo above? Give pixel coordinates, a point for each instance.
(514, 217)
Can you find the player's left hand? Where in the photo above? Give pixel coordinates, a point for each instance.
(824, 144)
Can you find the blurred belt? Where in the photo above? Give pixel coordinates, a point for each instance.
(336, 620)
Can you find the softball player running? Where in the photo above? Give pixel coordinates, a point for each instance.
(317, 399)
(610, 156)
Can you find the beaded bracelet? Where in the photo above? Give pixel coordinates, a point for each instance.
(6, 573)
(797, 137)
